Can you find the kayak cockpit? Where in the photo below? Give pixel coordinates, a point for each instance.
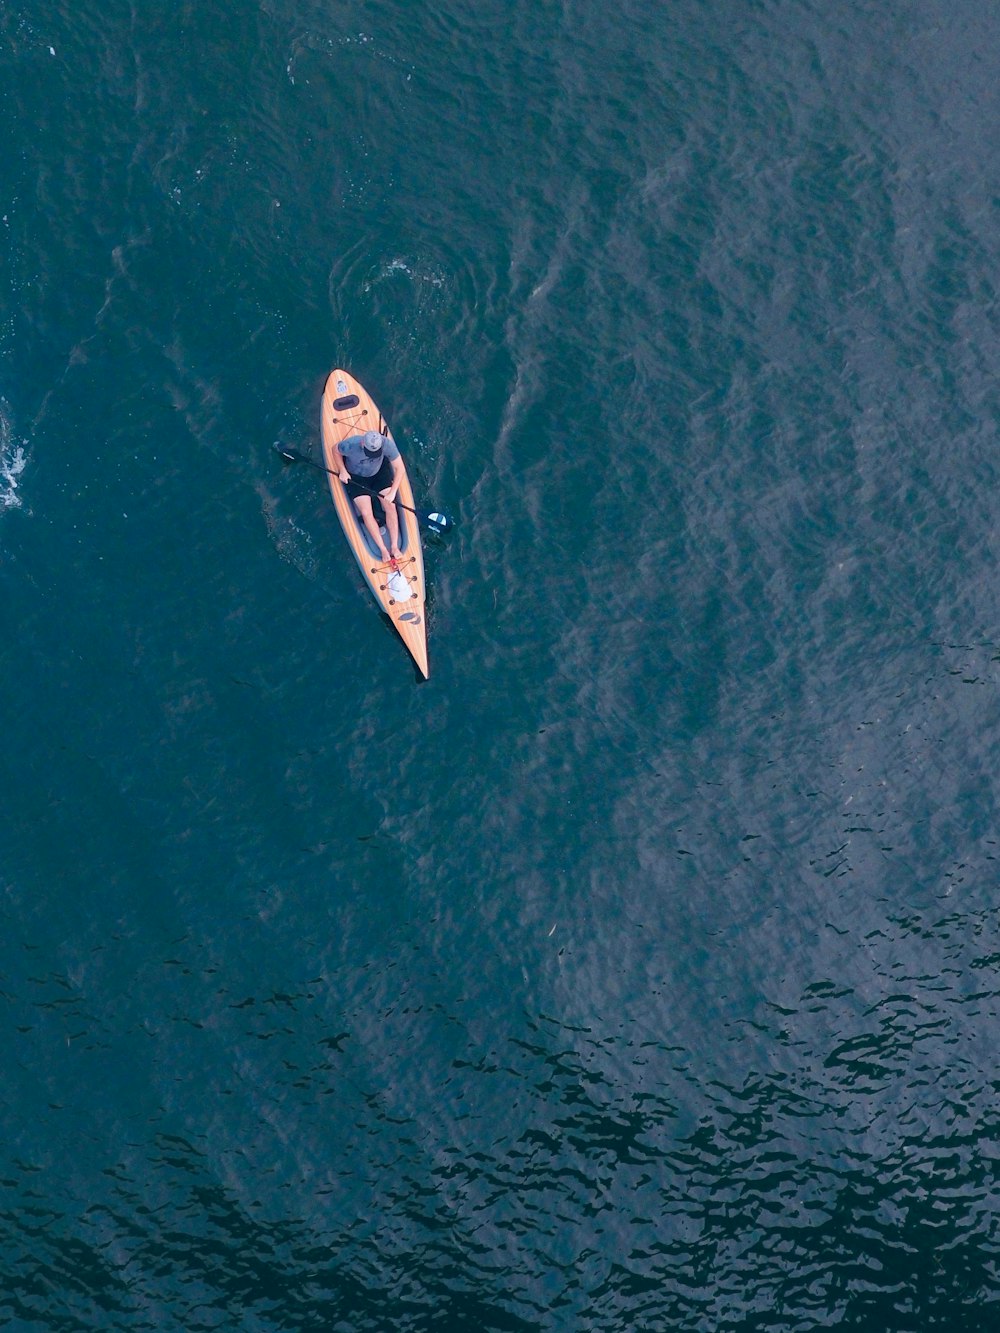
(363, 533)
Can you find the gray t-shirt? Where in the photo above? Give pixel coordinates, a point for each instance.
(360, 464)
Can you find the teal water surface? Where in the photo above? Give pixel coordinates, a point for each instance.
(639, 970)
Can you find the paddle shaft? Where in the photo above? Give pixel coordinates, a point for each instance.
(437, 523)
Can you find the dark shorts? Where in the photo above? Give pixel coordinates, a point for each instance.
(379, 482)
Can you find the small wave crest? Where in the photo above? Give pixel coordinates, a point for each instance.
(291, 542)
(12, 461)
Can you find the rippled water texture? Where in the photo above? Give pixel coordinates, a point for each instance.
(638, 971)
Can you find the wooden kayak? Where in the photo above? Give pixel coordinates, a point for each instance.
(398, 587)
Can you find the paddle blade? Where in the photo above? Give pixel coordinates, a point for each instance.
(439, 522)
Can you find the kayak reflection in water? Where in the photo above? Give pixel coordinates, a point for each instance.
(370, 462)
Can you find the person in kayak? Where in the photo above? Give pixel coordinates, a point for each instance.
(368, 463)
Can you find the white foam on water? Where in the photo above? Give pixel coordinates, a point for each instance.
(12, 461)
(426, 274)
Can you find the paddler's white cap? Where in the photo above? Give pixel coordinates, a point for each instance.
(372, 441)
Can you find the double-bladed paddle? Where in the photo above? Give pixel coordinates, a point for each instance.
(435, 522)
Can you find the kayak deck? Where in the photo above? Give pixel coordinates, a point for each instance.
(398, 587)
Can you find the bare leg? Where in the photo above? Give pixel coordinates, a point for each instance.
(364, 507)
(392, 523)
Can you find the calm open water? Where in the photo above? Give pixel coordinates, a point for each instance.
(640, 971)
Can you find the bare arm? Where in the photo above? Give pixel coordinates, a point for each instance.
(397, 476)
